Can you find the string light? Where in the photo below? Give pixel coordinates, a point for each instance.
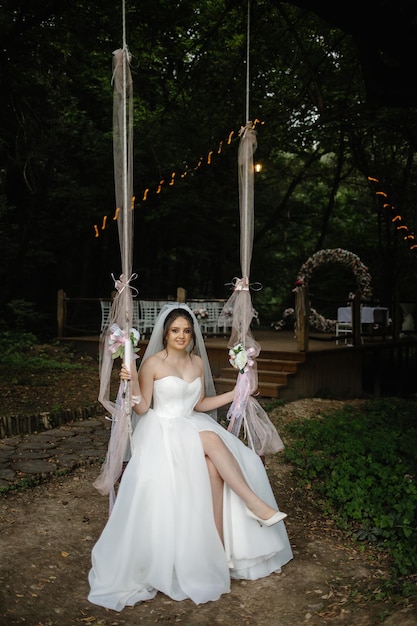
(397, 220)
(208, 160)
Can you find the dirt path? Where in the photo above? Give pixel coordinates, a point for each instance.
(47, 534)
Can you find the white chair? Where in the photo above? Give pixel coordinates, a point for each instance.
(105, 313)
(148, 315)
(344, 323)
(209, 324)
(370, 316)
(136, 317)
(225, 320)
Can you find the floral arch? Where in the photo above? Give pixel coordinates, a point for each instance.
(334, 255)
(346, 258)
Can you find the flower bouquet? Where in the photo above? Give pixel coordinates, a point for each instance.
(200, 314)
(117, 340)
(238, 358)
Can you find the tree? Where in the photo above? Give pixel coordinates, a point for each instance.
(325, 127)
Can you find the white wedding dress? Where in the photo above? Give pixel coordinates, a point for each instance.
(161, 534)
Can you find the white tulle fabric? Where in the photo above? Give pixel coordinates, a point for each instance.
(122, 306)
(161, 534)
(245, 410)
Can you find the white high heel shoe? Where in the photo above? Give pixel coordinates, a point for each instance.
(274, 519)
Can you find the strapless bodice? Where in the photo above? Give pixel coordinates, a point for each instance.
(175, 397)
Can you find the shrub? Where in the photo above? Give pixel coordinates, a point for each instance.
(363, 462)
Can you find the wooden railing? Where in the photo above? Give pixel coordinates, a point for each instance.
(91, 314)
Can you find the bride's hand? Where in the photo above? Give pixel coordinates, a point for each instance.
(135, 393)
(124, 373)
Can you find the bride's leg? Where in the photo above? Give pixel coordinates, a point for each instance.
(216, 482)
(229, 469)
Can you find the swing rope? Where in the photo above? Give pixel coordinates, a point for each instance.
(248, 62)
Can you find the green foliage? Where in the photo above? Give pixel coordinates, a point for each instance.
(24, 315)
(363, 462)
(20, 351)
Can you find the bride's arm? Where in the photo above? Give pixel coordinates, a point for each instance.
(141, 385)
(208, 403)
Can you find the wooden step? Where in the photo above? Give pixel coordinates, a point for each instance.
(298, 357)
(274, 372)
(265, 376)
(281, 365)
(268, 390)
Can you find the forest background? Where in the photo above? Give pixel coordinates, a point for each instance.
(337, 130)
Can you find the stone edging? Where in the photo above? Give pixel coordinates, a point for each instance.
(23, 425)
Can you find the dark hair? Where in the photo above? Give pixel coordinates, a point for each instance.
(170, 319)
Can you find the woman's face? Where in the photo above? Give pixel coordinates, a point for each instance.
(179, 335)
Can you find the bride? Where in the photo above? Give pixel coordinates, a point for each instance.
(194, 507)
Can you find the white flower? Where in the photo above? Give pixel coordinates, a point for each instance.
(241, 360)
(134, 337)
(200, 313)
(238, 357)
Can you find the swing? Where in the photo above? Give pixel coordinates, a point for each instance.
(119, 338)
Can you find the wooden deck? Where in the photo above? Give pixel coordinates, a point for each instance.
(288, 374)
(280, 341)
(376, 367)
